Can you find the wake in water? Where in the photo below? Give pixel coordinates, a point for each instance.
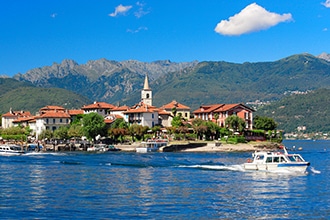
(43, 154)
(216, 167)
(313, 170)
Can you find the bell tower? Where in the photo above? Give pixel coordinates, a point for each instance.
(146, 93)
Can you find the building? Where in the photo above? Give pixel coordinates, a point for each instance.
(220, 112)
(101, 108)
(11, 116)
(179, 109)
(142, 114)
(51, 118)
(146, 93)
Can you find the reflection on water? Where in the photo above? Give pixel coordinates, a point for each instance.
(158, 186)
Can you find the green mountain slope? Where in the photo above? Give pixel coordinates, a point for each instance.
(311, 110)
(222, 82)
(20, 96)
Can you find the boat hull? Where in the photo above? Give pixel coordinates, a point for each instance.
(293, 167)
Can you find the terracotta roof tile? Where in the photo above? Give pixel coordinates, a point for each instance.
(208, 108)
(54, 114)
(175, 104)
(98, 105)
(17, 114)
(75, 111)
(52, 108)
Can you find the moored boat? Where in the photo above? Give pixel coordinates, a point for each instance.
(10, 149)
(276, 161)
(151, 145)
(102, 148)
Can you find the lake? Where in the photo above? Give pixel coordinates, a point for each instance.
(172, 185)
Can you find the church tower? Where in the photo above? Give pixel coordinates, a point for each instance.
(146, 93)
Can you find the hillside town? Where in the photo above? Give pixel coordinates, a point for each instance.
(143, 113)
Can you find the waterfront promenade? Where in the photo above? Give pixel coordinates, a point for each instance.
(184, 146)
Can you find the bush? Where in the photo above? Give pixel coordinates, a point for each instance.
(18, 137)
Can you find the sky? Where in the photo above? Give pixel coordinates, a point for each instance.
(37, 33)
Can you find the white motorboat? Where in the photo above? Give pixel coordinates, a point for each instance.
(276, 161)
(151, 145)
(8, 150)
(98, 148)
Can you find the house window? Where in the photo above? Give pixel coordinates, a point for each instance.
(148, 96)
(152, 116)
(47, 121)
(53, 120)
(60, 120)
(186, 114)
(67, 121)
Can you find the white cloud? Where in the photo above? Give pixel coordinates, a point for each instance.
(141, 11)
(120, 9)
(252, 18)
(327, 3)
(137, 30)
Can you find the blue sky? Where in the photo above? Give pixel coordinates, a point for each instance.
(40, 32)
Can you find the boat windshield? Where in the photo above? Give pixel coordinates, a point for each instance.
(295, 158)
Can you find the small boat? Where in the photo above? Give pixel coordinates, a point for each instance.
(102, 148)
(274, 161)
(8, 150)
(97, 148)
(151, 145)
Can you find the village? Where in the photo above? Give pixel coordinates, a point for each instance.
(143, 113)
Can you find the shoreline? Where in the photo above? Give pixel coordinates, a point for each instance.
(208, 147)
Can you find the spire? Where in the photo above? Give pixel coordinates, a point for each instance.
(146, 83)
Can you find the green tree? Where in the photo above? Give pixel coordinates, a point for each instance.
(264, 123)
(93, 125)
(236, 123)
(176, 122)
(174, 110)
(138, 131)
(62, 132)
(77, 119)
(46, 134)
(119, 123)
(75, 130)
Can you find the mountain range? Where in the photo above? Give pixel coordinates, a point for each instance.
(190, 83)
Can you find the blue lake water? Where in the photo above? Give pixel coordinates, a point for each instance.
(121, 185)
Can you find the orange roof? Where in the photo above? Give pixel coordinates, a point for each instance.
(120, 108)
(219, 108)
(208, 108)
(142, 108)
(17, 114)
(175, 104)
(54, 114)
(52, 108)
(98, 105)
(76, 111)
(228, 107)
(24, 119)
(162, 112)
